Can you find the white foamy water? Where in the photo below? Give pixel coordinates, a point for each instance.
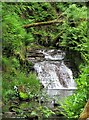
(53, 73)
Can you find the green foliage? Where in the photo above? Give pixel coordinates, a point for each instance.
(13, 34)
(15, 66)
(28, 86)
(75, 30)
(75, 39)
(23, 95)
(72, 35)
(29, 39)
(42, 111)
(30, 82)
(74, 104)
(46, 112)
(40, 12)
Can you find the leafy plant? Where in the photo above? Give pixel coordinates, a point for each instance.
(42, 111)
(74, 104)
(75, 30)
(23, 95)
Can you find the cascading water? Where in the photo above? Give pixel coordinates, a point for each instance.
(52, 72)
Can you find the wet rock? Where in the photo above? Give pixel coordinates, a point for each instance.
(9, 115)
(35, 56)
(1, 114)
(41, 55)
(16, 102)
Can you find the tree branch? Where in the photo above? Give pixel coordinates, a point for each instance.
(43, 23)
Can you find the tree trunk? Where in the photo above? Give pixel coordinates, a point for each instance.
(85, 114)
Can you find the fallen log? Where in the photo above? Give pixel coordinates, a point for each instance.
(58, 20)
(43, 23)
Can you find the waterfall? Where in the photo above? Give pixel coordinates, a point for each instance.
(55, 75)
(52, 71)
